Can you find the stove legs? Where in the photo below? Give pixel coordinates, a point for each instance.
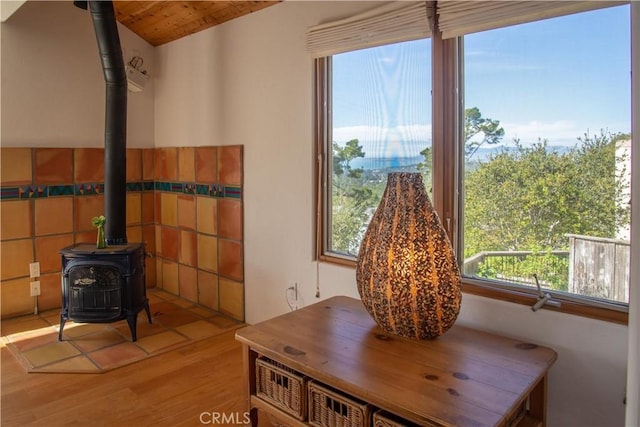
(131, 321)
(62, 321)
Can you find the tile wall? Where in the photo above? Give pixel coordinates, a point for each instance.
(185, 203)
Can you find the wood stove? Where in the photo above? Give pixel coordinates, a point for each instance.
(103, 285)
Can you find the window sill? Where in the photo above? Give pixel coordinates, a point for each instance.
(574, 306)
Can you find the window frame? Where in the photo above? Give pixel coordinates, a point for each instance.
(448, 108)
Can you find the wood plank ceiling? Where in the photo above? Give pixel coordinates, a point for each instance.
(160, 22)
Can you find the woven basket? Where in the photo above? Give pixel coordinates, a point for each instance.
(385, 419)
(281, 386)
(329, 408)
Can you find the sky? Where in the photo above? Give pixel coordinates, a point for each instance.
(554, 79)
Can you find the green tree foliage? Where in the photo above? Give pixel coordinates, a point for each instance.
(524, 198)
(529, 198)
(478, 131)
(475, 125)
(351, 201)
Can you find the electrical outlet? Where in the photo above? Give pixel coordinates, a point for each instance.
(35, 288)
(34, 269)
(294, 298)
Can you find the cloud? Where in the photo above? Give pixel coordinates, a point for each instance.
(561, 132)
(414, 132)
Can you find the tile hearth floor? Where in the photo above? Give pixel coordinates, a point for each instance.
(99, 347)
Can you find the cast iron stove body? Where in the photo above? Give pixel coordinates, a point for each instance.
(103, 285)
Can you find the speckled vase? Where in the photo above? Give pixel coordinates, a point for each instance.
(407, 274)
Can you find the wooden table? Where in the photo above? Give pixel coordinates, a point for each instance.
(464, 378)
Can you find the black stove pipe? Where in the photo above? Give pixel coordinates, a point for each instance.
(115, 135)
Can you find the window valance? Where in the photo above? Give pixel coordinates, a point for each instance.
(409, 20)
(456, 17)
(394, 22)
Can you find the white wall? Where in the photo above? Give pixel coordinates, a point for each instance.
(53, 89)
(260, 95)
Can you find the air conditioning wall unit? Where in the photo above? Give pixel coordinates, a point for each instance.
(136, 79)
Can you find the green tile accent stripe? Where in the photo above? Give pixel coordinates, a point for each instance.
(95, 188)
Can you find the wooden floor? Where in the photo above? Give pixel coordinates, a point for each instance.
(172, 389)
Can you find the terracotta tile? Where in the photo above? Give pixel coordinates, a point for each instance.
(98, 340)
(54, 215)
(23, 326)
(166, 164)
(117, 355)
(207, 253)
(150, 273)
(53, 166)
(167, 306)
(232, 298)
(223, 321)
(15, 256)
(202, 311)
(15, 297)
(88, 236)
(160, 341)
(169, 277)
(148, 207)
(158, 232)
(188, 248)
(149, 238)
(178, 318)
(50, 294)
(181, 302)
(134, 164)
(188, 282)
(16, 219)
(230, 165)
(148, 164)
(86, 208)
(170, 243)
(199, 330)
(134, 234)
(33, 338)
(89, 164)
(230, 219)
(48, 251)
(208, 289)
(74, 364)
(52, 316)
(50, 353)
(169, 209)
(76, 330)
(186, 164)
(230, 259)
(15, 166)
(206, 215)
(206, 165)
(143, 327)
(187, 212)
(157, 207)
(134, 208)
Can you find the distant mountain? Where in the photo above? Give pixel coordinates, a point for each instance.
(409, 163)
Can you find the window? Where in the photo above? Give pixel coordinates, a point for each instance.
(531, 167)
(381, 122)
(547, 155)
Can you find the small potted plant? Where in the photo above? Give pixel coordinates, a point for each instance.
(99, 221)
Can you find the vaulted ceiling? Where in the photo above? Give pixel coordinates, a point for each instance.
(160, 22)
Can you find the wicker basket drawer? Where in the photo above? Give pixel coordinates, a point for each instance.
(329, 408)
(281, 386)
(385, 419)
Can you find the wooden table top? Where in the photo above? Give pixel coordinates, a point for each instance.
(465, 377)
